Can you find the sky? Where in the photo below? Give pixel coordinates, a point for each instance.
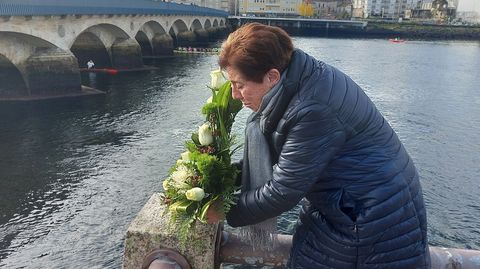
(469, 5)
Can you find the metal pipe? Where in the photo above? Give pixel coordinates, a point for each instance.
(165, 259)
(454, 258)
(233, 250)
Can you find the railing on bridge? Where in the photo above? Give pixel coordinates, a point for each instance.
(102, 7)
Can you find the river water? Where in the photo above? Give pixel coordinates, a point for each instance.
(74, 173)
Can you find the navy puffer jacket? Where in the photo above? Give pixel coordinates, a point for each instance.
(364, 206)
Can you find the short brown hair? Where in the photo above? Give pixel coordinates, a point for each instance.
(254, 48)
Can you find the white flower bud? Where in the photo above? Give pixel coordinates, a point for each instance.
(185, 156)
(165, 184)
(217, 79)
(195, 194)
(205, 135)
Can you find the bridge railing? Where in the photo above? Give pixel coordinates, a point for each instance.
(102, 7)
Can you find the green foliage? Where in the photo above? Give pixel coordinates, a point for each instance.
(205, 166)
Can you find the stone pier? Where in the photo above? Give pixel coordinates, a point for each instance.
(126, 54)
(52, 72)
(201, 38)
(186, 39)
(162, 44)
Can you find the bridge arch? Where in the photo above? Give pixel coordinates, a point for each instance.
(181, 34)
(200, 34)
(89, 46)
(145, 43)
(15, 50)
(106, 45)
(177, 27)
(152, 28)
(207, 24)
(30, 64)
(12, 83)
(196, 25)
(215, 23)
(151, 36)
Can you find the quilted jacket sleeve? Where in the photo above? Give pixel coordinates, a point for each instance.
(314, 136)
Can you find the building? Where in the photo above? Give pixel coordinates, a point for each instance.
(333, 9)
(453, 4)
(469, 17)
(387, 9)
(269, 8)
(394, 9)
(216, 4)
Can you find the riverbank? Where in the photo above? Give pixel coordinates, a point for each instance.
(421, 31)
(364, 29)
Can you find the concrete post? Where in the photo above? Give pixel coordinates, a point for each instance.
(149, 231)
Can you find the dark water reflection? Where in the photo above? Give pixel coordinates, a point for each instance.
(74, 173)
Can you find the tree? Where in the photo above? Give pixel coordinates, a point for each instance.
(306, 9)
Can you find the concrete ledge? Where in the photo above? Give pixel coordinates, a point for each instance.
(138, 69)
(114, 71)
(235, 251)
(85, 91)
(207, 249)
(149, 231)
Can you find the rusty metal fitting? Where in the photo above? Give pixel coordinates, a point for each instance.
(165, 259)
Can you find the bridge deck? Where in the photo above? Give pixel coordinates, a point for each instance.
(300, 23)
(102, 7)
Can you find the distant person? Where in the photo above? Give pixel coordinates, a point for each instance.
(90, 64)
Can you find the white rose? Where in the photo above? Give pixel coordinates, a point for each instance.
(195, 194)
(217, 79)
(205, 135)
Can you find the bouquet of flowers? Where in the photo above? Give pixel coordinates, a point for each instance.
(204, 175)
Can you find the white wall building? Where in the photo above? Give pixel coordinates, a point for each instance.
(392, 8)
(453, 3)
(472, 17)
(216, 4)
(269, 7)
(381, 8)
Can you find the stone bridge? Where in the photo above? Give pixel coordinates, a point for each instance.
(42, 47)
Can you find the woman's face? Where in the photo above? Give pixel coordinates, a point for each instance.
(250, 92)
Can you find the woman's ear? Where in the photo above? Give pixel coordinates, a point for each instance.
(273, 76)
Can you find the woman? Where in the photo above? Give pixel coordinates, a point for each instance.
(327, 143)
